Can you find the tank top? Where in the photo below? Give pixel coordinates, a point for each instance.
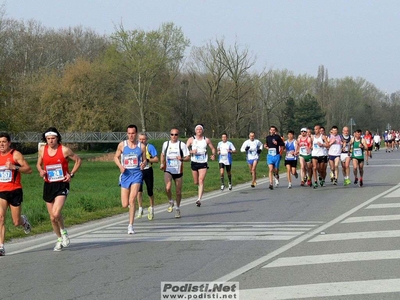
(201, 155)
(10, 180)
(317, 149)
(358, 152)
(336, 148)
(131, 157)
(304, 146)
(56, 166)
(347, 140)
(290, 149)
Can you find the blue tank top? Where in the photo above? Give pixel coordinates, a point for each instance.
(131, 158)
(290, 149)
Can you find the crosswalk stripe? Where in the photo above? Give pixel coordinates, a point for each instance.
(323, 290)
(383, 205)
(372, 218)
(333, 258)
(231, 231)
(394, 194)
(356, 235)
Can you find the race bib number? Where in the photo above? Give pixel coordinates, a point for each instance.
(303, 151)
(54, 173)
(357, 152)
(272, 151)
(131, 161)
(316, 146)
(5, 175)
(289, 154)
(200, 157)
(172, 163)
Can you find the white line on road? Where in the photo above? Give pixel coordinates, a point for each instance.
(333, 258)
(372, 219)
(323, 290)
(383, 205)
(356, 235)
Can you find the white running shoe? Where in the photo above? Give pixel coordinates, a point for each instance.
(170, 207)
(222, 187)
(230, 187)
(58, 246)
(177, 213)
(289, 185)
(150, 215)
(140, 213)
(65, 238)
(27, 225)
(276, 182)
(2, 251)
(130, 229)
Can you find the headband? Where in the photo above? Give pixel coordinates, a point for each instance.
(50, 133)
(202, 128)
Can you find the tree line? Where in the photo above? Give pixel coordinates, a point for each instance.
(78, 80)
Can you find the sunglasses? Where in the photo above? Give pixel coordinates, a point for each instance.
(303, 131)
(174, 134)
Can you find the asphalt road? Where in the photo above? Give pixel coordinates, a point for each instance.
(334, 242)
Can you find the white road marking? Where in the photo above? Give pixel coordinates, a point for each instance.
(372, 219)
(333, 258)
(323, 290)
(356, 235)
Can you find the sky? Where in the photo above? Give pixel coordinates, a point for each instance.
(356, 38)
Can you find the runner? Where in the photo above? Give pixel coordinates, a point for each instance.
(334, 152)
(225, 149)
(291, 158)
(148, 177)
(273, 143)
(173, 154)
(345, 155)
(12, 165)
(130, 158)
(370, 142)
(318, 155)
(359, 145)
(253, 148)
(377, 141)
(304, 149)
(52, 165)
(324, 164)
(197, 145)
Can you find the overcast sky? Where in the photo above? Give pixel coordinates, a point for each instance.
(357, 38)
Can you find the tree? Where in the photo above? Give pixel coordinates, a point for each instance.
(142, 56)
(308, 112)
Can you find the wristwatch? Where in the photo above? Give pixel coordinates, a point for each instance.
(71, 175)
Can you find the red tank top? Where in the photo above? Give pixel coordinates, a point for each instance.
(10, 180)
(56, 166)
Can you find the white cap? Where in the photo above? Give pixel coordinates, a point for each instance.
(303, 129)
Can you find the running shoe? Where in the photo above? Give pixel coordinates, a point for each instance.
(321, 183)
(302, 183)
(130, 229)
(253, 184)
(2, 251)
(271, 187)
(370, 156)
(309, 183)
(334, 181)
(177, 213)
(331, 175)
(222, 187)
(58, 246)
(140, 213)
(276, 182)
(367, 163)
(315, 185)
(361, 182)
(65, 238)
(150, 215)
(230, 187)
(276, 176)
(27, 225)
(356, 180)
(296, 175)
(198, 203)
(346, 181)
(170, 207)
(289, 185)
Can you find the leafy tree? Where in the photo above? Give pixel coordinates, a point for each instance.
(309, 112)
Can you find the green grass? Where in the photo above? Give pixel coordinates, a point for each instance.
(95, 192)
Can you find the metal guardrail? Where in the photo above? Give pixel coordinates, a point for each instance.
(83, 137)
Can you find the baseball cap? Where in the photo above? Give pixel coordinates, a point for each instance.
(303, 129)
